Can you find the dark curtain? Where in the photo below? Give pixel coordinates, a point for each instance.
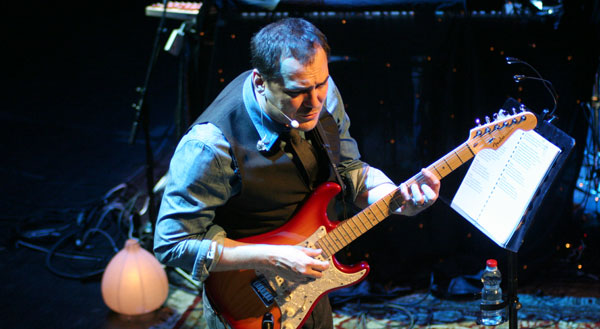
(413, 83)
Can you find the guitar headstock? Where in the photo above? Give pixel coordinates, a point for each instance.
(493, 134)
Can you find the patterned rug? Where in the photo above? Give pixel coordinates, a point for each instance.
(419, 310)
(425, 311)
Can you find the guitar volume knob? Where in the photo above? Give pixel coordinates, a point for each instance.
(288, 311)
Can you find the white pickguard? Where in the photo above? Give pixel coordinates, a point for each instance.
(296, 299)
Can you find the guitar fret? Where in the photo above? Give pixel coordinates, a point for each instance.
(435, 167)
(458, 156)
(445, 170)
(366, 214)
(330, 251)
(332, 243)
(447, 164)
(361, 222)
(376, 206)
(342, 226)
(387, 206)
(355, 228)
(376, 218)
(452, 160)
(343, 236)
(367, 224)
(340, 237)
(456, 160)
(326, 252)
(375, 210)
(328, 245)
(326, 248)
(335, 241)
(469, 148)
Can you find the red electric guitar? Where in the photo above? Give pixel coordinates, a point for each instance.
(246, 299)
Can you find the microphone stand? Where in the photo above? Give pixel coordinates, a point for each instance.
(142, 116)
(548, 115)
(512, 297)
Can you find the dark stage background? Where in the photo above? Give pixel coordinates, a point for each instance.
(413, 80)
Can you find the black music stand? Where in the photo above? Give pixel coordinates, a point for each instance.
(566, 144)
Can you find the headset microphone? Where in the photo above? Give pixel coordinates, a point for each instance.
(293, 122)
(261, 145)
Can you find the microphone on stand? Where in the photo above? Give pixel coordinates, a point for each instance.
(519, 77)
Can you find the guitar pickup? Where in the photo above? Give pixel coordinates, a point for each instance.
(264, 291)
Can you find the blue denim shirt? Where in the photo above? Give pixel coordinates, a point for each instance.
(201, 178)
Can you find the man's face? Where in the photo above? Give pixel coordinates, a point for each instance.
(302, 92)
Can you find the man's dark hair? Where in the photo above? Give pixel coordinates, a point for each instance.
(289, 37)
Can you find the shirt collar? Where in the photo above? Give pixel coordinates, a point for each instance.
(267, 129)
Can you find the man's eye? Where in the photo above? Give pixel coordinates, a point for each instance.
(293, 94)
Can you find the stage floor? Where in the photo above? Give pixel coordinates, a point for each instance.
(545, 307)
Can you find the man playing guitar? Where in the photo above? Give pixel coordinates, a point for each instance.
(248, 165)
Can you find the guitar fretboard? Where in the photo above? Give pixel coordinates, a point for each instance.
(353, 227)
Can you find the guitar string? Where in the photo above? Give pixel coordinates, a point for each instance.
(331, 246)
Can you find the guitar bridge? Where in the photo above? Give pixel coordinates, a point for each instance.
(264, 291)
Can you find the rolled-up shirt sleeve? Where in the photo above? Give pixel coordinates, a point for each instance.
(198, 181)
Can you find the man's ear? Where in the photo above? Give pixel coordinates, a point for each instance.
(258, 81)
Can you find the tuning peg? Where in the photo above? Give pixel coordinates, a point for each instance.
(487, 119)
(478, 122)
(495, 116)
(514, 111)
(502, 114)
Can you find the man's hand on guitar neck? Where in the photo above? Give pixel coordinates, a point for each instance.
(415, 198)
(292, 263)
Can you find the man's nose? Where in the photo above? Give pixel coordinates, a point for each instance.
(313, 99)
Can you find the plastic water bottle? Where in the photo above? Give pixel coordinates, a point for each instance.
(491, 294)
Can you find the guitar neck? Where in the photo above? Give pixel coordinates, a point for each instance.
(355, 226)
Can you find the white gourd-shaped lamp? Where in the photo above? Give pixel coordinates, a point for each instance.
(134, 282)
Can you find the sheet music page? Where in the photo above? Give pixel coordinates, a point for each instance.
(500, 184)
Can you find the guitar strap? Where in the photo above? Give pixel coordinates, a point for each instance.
(323, 142)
